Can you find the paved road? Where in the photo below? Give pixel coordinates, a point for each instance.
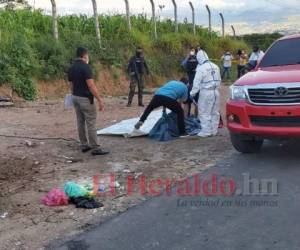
(249, 222)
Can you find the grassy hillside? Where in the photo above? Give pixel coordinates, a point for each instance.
(28, 52)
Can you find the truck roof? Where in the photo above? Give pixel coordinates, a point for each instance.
(290, 37)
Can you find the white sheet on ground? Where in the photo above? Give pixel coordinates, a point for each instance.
(126, 127)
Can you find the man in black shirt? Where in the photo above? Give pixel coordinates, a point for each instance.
(137, 67)
(84, 91)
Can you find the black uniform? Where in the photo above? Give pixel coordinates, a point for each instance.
(137, 67)
(191, 67)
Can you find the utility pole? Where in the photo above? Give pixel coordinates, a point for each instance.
(209, 19)
(233, 31)
(223, 25)
(175, 15)
(193, 17)
(154, 18)
(54, 20)
(97, 26)
(128, 14)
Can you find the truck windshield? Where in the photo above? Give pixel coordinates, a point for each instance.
(285, 52)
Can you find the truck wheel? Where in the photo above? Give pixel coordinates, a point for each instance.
(246, 146)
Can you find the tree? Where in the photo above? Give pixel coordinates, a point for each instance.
(54, 20)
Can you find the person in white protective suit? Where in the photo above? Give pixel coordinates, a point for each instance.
(207, 82)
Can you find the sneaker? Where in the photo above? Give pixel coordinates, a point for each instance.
(184, 136)
(203, 135)
(138, 125)
(85, 148)
(99, 151)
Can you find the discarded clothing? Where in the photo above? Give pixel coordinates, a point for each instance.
(56, 197)
(73, 190)
(166, 128)
(86, 202)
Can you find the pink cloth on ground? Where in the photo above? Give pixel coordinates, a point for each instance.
(56, 197)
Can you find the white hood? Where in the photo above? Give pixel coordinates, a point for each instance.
(202, 57)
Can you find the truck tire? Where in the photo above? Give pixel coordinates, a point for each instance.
(246, 145)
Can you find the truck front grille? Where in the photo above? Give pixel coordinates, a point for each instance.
(275, 121)
(275, 96)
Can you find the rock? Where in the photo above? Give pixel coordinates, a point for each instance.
(6, 104)
(5, 99)
(4, 215)
(30, 144)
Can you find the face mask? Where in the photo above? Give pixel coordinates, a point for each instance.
(86, 59)
(138, 54)
(192, 53)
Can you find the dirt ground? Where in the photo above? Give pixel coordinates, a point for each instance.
(29, 168)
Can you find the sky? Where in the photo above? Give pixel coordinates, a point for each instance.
(247, 16)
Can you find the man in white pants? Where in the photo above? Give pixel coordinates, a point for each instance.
(207, 82)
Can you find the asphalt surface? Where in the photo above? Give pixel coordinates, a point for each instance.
(216, 222)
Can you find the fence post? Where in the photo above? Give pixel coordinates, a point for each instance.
(97, 26)
(209, 19)
(154, 18)
(233, 31)
(128, 14)
(193, 17)
(54, 20)
(223, 25)
(175, 15)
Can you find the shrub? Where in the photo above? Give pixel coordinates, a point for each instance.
(29, 52)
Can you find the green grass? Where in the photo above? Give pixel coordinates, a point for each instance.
(29, 53)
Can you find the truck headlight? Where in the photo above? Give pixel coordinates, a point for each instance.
(237, 93)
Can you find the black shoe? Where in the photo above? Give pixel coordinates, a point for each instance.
(138, 125)
(141, 105)
(99, 151)
(85, 148)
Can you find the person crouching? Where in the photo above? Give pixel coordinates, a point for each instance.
(171, 95)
